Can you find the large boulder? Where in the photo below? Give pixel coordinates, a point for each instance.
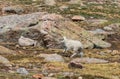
(19, 22)
(52, 27)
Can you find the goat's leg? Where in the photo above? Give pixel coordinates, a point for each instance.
(65, 49)
(74, 54)
(81, 54)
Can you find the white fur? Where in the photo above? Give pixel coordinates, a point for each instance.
(75, 45)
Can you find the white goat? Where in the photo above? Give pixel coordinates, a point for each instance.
(75, 45)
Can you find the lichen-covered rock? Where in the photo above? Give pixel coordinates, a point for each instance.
(22, 71)
(53, 27)
(50, 2)
(88, 60)
(5, 62)
(19, 22)
(23, 41)
(96, 22)
(13, 9)
(52, 57)
(4, 50)
(75, 2)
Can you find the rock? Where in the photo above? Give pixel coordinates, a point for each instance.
(75, 2)
(53, 17)
(102, 44)
(51, 68)
(101, 35)
(4, 50)
(115, 26)
(50, 2)
(38, 76)
(22, 71)
(115, 52)
(96, 22)
(69, 75)
(115, 77)
(4, 61)
(26, 41)
(63, 7)
(19, 22)
(13, 9)
(108, 28)
(78, 18)
(100, 7)
(52, 57)
(49, 78)
(98, 31)
(53, 26)
(75, 65)
(89, 60)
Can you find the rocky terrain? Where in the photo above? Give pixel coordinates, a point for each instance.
(31, 32)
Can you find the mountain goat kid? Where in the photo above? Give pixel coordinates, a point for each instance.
(75, 45)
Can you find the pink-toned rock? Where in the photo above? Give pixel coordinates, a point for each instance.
(75, 65)
(49, 78)
(4, 61)
(38, 76)
(13, 9)
(78, 18)
(49, 2)
(47, 25)
(52, 17)
(4, 50)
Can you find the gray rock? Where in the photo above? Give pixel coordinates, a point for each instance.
(50, 2)
(63, 7)
(52, 57)
(108, 28)
(96, 22)
(22, 71)
(19, 22)
(23, 41)
(54, 25)
(115, 26)
(4, 61)
(75, 2)
(89, 60)
(98, 31)
(13, 9)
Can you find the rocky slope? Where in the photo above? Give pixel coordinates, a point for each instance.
(43, 23)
